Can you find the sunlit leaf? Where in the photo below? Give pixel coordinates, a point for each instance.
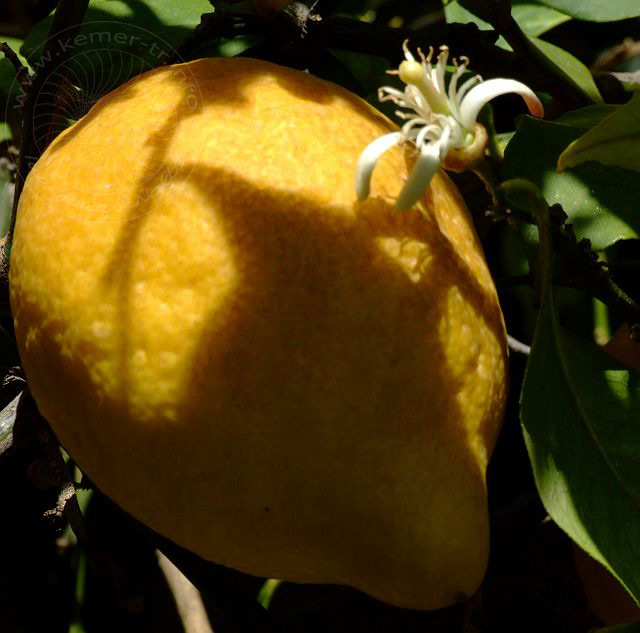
(613, 141)
(120, 39)
(600, 200)
(580, 413)
(8, 82)
(533, 19)
(596, 10)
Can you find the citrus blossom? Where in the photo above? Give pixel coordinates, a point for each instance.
(439, 118)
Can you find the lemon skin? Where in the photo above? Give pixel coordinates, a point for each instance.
(245, 358)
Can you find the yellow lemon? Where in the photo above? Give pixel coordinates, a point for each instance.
(273, 375)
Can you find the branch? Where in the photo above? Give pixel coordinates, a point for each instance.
(49, 470)
(541, 68)
(22, 72)
(187, 598)
(231, 607)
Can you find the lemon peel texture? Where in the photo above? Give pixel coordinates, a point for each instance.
(245, 358)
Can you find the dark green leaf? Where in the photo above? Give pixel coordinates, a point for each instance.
(8, 418)
(6, 199)
(580, 412)
(120, 39)
(624, 628)
(586, 117)
(8, 82)
(613, 141)
(596, 10)
(600, 200)
(573, 69)
(533, 19)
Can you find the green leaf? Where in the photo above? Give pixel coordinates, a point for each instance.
(5, 132)
(8, 82)
(454, 12)
(119, 40)
(573, 69)
(535, 19)
(623, 628)
(6, 200)
(596, 10)
(580, 413)
(613, 141)
(600, 200)
(586, 117)
(532, 18)
(8, 418)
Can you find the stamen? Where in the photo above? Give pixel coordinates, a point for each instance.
(407, 53)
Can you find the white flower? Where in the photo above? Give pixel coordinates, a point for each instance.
(438, 119)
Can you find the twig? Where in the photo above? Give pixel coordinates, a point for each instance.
(546, 73)
(518, 346)
(32, 431)
(187, 598)
(22, 72)
(616, 55)
(214, 26)
(578, 267)
(229, 605)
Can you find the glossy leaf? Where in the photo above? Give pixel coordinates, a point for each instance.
(596, 10)
(613, 141)
(572, 68)
(600, 200)
(121, 39)
(533, 19)
(580, 412)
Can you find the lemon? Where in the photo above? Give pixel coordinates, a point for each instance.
(246, 359)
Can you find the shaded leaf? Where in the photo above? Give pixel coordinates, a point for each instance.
(573, 69)
(623, 628)
(8, 82)
(6, 199)
(586, 117)
(600, 200)
(596, 10)
(533, 19)
(613, 141)
(580, 412)
(8, 417)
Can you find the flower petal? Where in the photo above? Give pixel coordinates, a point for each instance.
(370, 157)
(423, 171)
(481, 94)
